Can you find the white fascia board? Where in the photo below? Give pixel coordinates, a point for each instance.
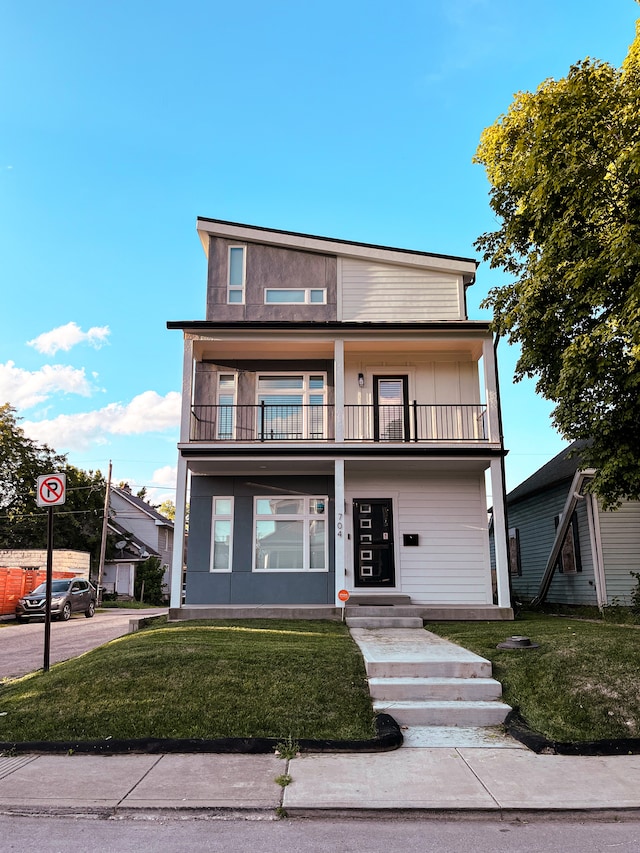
(327, 246)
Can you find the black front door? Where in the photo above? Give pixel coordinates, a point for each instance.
(373, 534)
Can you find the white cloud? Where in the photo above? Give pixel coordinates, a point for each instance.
(163, 485)
(148, 412)
(66, 337)
(24, 388)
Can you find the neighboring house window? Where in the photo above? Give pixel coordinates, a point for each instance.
(569, 561)
(221, 534)
(292, 406)
(237, 274)
(515, 564)
(226, 405)
(295, 296)
(290, 534)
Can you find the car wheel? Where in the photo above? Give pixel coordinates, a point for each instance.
(90, 611)
(66, 612)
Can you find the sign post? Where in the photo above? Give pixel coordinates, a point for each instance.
(52, 491)
(343, 596)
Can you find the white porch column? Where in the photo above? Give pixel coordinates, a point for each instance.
(491, 390)
(181, 479)
(338, 391)
(500, 534)
(179, 533)
(339, 527)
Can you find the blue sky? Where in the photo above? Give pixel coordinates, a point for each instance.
(121, 122)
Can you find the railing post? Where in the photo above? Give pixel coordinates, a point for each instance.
(415, 420)
(262, 420)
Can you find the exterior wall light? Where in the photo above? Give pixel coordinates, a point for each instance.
(361, 380)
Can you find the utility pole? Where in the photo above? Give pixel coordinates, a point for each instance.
(103, 543)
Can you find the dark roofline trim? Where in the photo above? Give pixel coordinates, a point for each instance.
(331, 325)
(337, 240)
(191, 451)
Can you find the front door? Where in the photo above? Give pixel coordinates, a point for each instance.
(373, 534)
(390, 408)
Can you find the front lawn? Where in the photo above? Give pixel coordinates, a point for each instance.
(581, 684)
(253, 678)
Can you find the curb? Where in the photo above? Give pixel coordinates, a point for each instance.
(518, 728)
(388, 737)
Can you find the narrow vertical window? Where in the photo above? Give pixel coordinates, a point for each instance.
(226, 406)
(237, 269)
(221, 535)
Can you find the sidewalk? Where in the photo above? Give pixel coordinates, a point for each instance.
(428, 781)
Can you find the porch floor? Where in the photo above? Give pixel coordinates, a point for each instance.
(427, 612)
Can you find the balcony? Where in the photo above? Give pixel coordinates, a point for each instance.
(414, 422)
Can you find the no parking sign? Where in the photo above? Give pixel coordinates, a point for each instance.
(52, 490)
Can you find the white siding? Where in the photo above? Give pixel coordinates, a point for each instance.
(384, 292)
(448, 512)
(620, 532)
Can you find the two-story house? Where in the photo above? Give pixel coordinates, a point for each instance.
(139, 532)
(340, 421)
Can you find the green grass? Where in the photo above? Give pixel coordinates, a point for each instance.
(256, 678)
(581, 684)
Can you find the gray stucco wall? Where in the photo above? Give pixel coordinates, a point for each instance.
(270, 266)
(242, 585)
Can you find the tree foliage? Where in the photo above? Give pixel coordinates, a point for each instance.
(148, 584)
(77, 523)
(564, 168)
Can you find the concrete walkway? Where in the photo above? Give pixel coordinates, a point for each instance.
(499, 782)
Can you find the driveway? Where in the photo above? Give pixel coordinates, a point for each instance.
(22, 644)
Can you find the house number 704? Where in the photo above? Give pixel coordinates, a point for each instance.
(339, 525)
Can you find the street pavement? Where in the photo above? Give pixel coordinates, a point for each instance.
(22, 644)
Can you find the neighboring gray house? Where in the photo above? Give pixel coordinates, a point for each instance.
(560, 533)
(140, 531)
(340, 413)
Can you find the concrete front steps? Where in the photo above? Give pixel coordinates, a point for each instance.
(421, 679)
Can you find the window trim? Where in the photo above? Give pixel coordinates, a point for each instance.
(236, 288)
(306, 392)
(305, 290)
(221, 517)
(306, 517)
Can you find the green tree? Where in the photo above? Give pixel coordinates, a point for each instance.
(168, 509)
(564, 168)
(148, 583)
(77, 523)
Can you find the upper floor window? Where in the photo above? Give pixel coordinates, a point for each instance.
(237, 274)
(295, 296)
(292, 406)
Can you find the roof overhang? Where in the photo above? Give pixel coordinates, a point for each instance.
(207, 228)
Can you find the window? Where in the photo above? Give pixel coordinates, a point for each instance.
(515, 566)
(237, 274)
(569, 561)
(290, 534)
(226, 406)
(291, 406)
(295, 296)
(221, 535)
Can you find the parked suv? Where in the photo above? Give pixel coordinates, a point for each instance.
(68, 595)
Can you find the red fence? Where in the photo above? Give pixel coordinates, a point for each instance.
(14, 583)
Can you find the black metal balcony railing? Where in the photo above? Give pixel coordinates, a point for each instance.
(295, 422)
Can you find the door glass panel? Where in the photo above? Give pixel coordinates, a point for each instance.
(391, 409)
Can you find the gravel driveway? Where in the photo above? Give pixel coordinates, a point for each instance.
(22, 644)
